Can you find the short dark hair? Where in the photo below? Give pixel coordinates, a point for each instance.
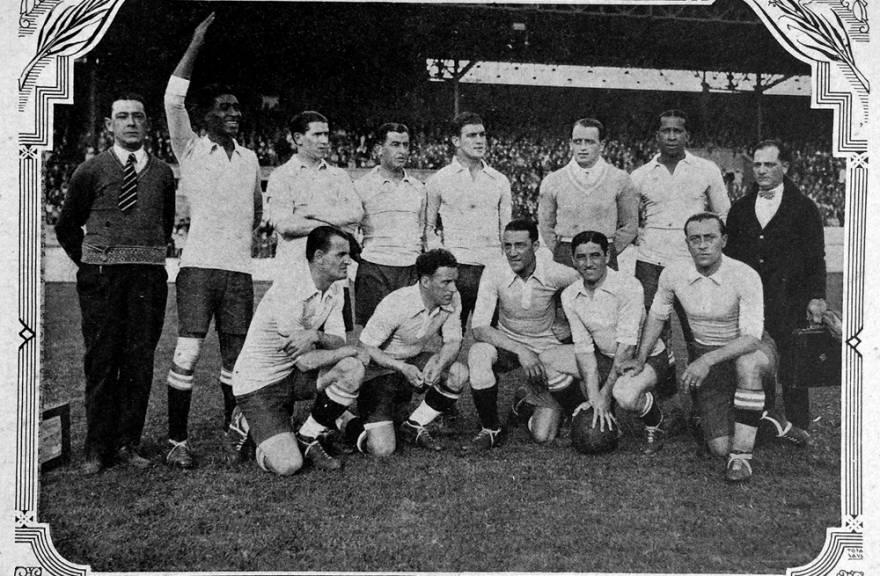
(319, 239)
(300, 122)
(704, 216)
(461, 120)
(523, 225)
(126, 96)
(588, 236)
(430, 261)
(674, 113)
(204, 97)
(784, 151)
(591, 123)
(384, 129)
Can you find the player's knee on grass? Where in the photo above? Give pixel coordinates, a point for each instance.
(750, 370)
(629, 391)
(544, 424)
(381, 440)
(719, 446)
(280, 454)
(457, 377)
(481, 357)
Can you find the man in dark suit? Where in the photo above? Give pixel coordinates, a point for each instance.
(777, 230)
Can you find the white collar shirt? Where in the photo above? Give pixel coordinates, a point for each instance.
(719, 308)
(286, 308)
(526, 307)
(140, 156)
(402, 326)
(766, 208)
(394, 218)
(609, 315)
(668, 200)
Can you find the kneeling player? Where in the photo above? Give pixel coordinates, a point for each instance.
(295, 347)
(524, 292)
(395, 337)
(730, 353)
(605, 310)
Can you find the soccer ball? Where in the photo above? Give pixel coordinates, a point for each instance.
(589, 440)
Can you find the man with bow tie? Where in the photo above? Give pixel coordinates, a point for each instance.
(777, 230)
(125, 199)
(587, 194)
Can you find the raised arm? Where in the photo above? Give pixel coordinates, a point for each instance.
(179, 125)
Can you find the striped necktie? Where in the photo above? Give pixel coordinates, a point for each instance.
(128, 194)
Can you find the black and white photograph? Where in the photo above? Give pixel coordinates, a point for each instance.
(412, 287)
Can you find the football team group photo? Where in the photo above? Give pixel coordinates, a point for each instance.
(565, 330)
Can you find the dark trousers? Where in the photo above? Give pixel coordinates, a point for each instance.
(468, 284)
(123, 309)
(796, 401)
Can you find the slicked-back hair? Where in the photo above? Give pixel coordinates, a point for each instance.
(588, 236)
(126, 96)
(591, 123)
(205, 96)
(320, 239)
(674, 113)
(461, 120)
(429, 262)
(703, 217)
(384, 129)
(784, 151)
(523, 225)
(299, 124)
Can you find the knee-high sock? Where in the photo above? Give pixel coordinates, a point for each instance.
(748, 405)
(178, 413)
(323, 417)
(486, 403)
(651, 414)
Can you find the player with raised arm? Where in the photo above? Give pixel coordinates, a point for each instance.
(221, 182)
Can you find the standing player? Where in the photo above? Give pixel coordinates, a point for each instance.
(674, 185)
(730, 354)
(295, 348)
(777, 230)
(587, 194)
(221, 181)
(307, 192)
(474, 202)
(125, 199)
(396, 337)
(393, 224)
(524, 291)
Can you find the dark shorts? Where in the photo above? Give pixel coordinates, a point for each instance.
(376, 281)
(385, 393)
(468, 284)
(268, 409)
(713, 400)
(205, 293)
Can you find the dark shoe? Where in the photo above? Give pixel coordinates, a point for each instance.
(128, 455)
(418, 435)
(654, 436)
(92, 465)
(237, 441)
(486, 440)
(795, 436)
(335, 443)
(738, 467)
(520, 410)
(314, 452)
(180, 455)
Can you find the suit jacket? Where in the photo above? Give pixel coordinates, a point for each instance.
(788, 254)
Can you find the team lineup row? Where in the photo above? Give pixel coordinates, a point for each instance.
(740, 278)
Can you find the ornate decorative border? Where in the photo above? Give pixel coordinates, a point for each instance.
(825, 33)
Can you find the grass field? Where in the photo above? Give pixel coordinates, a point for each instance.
(520, 508)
